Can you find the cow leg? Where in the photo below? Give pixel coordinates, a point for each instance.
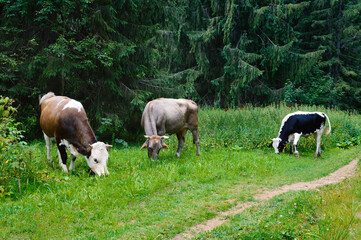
(72, 163)
(291, 148)
(295, 141)
(62, 156)
(290, 140)
(318, 145)
(196, 140)
(48, 148)
(181, 139)
(193, 127)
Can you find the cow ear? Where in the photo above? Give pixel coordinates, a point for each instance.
(270, 145)
(144, 146)
(165, 145)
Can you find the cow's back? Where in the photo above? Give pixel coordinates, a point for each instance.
(179, 114)
(58, 110)
(302, 122)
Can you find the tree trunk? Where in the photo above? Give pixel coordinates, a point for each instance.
(338, 43)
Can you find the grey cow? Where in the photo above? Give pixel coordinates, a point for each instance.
(167, 115)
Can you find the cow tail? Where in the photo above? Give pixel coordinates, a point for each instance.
(46, 96)
(328, 132)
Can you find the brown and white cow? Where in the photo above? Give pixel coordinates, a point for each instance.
(166, 115)
(65, 120)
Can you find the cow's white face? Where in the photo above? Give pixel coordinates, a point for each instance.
(98, 159)
(154, 144)
(275, 144)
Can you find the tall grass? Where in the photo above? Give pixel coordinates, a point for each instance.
(253, 127)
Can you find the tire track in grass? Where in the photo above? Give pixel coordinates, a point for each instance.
(335, 177)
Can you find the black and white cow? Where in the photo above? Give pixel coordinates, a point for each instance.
(298, 124)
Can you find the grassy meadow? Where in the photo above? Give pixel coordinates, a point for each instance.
(146, 199)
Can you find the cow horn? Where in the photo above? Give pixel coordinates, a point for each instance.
(146, 136)
(164, 137)
(108, 146)
(90, 146)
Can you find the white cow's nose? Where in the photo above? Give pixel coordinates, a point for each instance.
(99, 170)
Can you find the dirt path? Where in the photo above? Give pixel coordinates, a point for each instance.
(335, 177)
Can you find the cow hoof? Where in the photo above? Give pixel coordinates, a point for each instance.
(318, 155)
(63, 166)
(177, 155)
(297, 155)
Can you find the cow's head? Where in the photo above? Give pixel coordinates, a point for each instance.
(98, 159)
(278, 144)
(154, 144)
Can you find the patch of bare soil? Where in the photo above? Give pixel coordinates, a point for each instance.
(335, 177)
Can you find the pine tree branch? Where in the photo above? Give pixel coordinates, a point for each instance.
(155, 86)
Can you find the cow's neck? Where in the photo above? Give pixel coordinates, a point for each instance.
(85, 138)
(284, 136)
(150, 127)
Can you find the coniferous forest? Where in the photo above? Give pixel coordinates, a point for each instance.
(114, 56)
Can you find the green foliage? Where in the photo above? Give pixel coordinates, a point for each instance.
(108, 129)
(327, 27)
(95, 52)
(354, 141)
(115, 56)
(15, 158)
(9, 129)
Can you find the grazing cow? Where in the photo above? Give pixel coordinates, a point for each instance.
(65, 120)
(298, 124)
(166, 115)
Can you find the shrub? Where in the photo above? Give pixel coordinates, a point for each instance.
(14, 156)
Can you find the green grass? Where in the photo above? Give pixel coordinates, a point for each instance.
(157, 199)
(331, 212)
(147, 199)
